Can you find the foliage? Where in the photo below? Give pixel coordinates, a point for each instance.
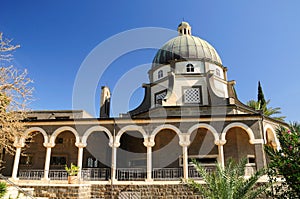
(285, 162)
(260, 95)
(262, 105)
(15, 94)
(72, 170)
(3, 189)
(228, 182)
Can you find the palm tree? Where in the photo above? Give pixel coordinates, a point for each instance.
(267, 111)
(228, 182)
(262, 105)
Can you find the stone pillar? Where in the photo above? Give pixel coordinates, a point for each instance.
(114, 161)
(80, 157)
(18, 146)
(185, 142)
(185, 163)
(220, 144)
(260, 156)
(47, 160)
(149, 146)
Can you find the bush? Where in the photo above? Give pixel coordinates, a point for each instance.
(3, 189)
(285, 163)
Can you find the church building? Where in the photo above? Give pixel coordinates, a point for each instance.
(190, 111)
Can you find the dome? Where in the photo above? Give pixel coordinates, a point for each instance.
(185, 47)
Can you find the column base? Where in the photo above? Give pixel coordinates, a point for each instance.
(149, 180)
(13, 179)
(45, 179)
(184, 180)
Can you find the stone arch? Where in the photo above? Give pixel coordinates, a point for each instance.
(269, 132)
(166, 126)
(239, 125)
(40, 130)
(167, 142)
(62, 129)
(206, 126)
(130, 128)
(97, 128)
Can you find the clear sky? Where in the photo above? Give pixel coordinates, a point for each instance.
(256, 40)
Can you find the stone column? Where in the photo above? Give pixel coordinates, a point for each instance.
(47, 160)
(184, 142)
(185, 162)
(80, 157)
(149, 146)
(114, 161)
(260, 156)
(220, 144)
(18, 146)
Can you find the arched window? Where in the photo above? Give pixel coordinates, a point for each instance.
(190, 68)
(218, 72)
(160, 74)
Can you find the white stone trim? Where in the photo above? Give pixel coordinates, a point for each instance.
(206, 126)
(266, 128)
(40, 130)
(89, 131)
(249, 131)
(166, 126)
(62, 129)
(131, 128)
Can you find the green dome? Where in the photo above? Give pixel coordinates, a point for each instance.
(186, 47)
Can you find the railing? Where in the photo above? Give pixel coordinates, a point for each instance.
(131, 174)
(58, 175)
(167, 173)
(124, 174)
(31, 174)
(95, 174)
(194, 174)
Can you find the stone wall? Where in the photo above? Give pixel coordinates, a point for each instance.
(143, 191)
(87, 191)
(61, 191)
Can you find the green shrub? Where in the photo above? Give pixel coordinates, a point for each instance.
(3, 189)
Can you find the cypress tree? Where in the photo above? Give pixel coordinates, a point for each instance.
(260, 96)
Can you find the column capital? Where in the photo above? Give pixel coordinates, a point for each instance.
(114, 144)
(256, 141)
(19, 144)
(48, 145)
(184, 143)
(80, 145)
(220, 142)
(148, 143)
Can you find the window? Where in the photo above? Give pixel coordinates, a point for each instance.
(58, 160)
(92, 162)
(192, 95)
(218, 72)
(26, 160)
(32, 118)
(59, 141)
(190, 68)
(160, 74)
(137, 163)
(251, 159)
(202, 159)
(160, 96)
(62, 117)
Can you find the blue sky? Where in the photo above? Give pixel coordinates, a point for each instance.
(256, 40)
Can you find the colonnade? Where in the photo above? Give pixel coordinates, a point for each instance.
(149, 142)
